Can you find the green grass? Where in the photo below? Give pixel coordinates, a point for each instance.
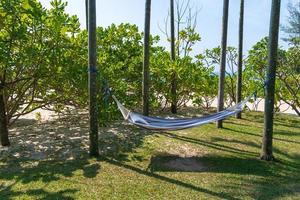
(230, 156)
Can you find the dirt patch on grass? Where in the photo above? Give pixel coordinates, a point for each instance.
(185, 164)
(176, 163)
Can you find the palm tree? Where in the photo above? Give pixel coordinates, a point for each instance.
(146, 58)
(3, 121)
(267, 149)
(240, 59)
(223, 60)
(92, 43)
(173, 84)
(86, 15)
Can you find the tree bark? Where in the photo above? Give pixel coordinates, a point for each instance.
(267, 146)
(240, 58)
(3, 122)
(223, 60)
(146, 58)
(86, 15)
(92, 44)
(174, 81)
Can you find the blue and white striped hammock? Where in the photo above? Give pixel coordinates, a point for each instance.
(155, 123)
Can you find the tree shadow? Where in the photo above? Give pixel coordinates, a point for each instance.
(24, 122)
(169, 180)
(235, 141)
(120, 139)
(210, 163)
(280, 119)
(26, 171)
(294, 164)
(240, 123)
(212, 145)
(42, 194)
(44, 153)
(268, 175)
(286, 132)
(175, 163)
(257, 117)
(260, 136)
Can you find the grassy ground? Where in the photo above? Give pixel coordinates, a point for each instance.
(49, 161)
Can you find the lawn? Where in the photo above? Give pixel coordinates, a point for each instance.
(49, 161)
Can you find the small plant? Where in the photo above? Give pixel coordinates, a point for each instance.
(38, 116)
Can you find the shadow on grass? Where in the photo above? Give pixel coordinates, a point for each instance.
(38, 194)
(279, 119)
(294, 164)
(120, 140)
(211, 163)
(213, 145)
(272, 179)
(265, 186)
(260, 136)
(24, 122)
(25, 171)
(169, 180)
(286, 132)
(42, 153)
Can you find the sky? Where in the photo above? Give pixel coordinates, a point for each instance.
(209, 19)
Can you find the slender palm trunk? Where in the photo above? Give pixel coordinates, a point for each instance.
(223, 60)
(3, 122)
(240, 58)
(267, 149)
(174, 81)
(86, 15)
(146, 58)
(93, 113)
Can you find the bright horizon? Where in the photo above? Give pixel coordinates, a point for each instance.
(256, 24)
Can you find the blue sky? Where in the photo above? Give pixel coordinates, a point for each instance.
(257, 17)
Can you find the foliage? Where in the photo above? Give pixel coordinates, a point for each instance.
(287, 84)
(192, 79)
(212, 58)
(293, 27)
(43, 60)
(35, 47)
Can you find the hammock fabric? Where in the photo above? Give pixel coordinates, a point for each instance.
(155, 123)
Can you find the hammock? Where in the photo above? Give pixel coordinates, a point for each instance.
(155, 123)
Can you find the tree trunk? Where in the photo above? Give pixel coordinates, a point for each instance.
(93, 113)
(3, 122)
(267, 149)
(146, 58)
(86, 15)
(240, 59)
(174, 81)
(223, 60)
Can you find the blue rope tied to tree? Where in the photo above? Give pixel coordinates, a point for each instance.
(92, 70)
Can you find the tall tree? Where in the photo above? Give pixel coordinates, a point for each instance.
(86, 15)
(223, 60)
(146, 58)
(92, 44)
(173, 84)
(267, 149)
(3, 121)
(30, 31)
(240, 58)
(293, 26)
